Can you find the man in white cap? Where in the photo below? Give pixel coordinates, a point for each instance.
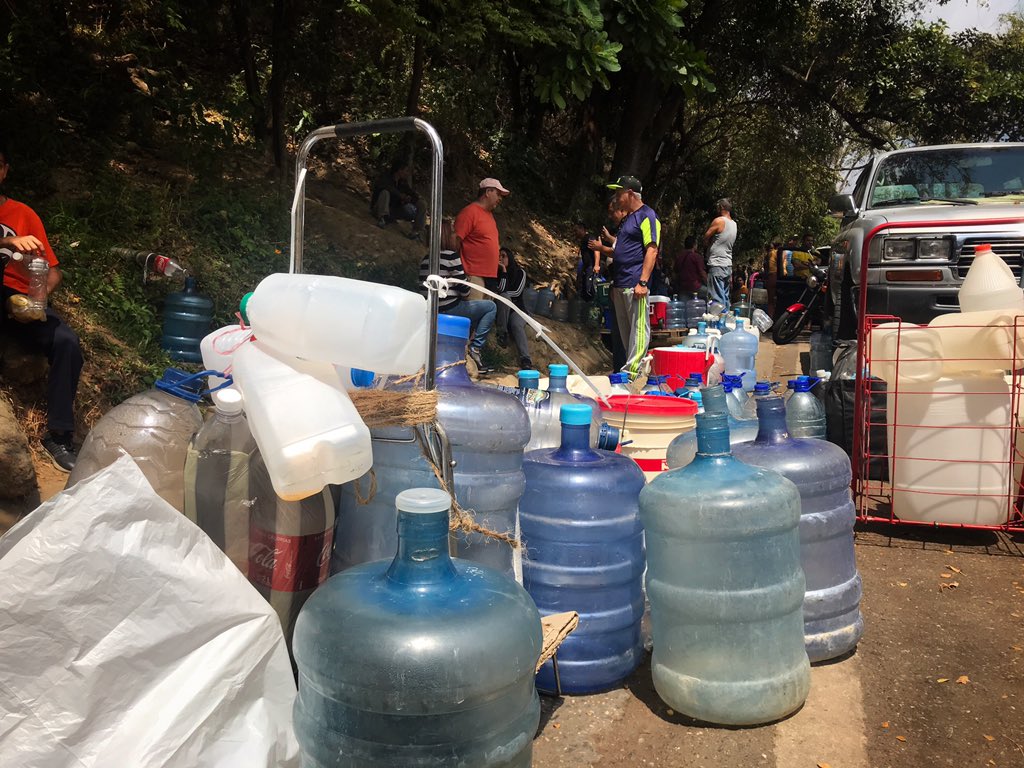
(478, 231)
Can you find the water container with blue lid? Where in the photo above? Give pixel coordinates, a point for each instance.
(739, 350)
(420, 660)
(619, 383)
(737, 398)
(805, 413)
(529, 379)
(725, 586)
(585, 552)
(487, 430)
(187, 318)
(821, 471)
(558, 374)
(695, 307)
(683, 447)
(698, 340)
(656, 385)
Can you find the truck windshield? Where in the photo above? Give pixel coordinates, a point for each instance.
(959, 175)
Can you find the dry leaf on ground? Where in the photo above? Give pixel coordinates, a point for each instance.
(885, 724)
(901, 738)
(989, 738)
(954, 569)
(946, 575)
(963, 679)
(942, 680)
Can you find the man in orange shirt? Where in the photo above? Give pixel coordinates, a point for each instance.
(22, 232)
(476, 227)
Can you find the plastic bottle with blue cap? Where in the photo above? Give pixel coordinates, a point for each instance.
(805, 413)
(585, 552)
(419, 659)
(713, 399)
(542, 407)
(558, 375)
(619, 384)
(725, 585)
(656, 385)
(739, 349)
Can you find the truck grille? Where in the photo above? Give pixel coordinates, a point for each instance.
(1010, 251)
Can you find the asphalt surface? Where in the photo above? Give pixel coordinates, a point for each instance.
(937, 679)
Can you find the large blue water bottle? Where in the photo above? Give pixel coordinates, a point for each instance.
(698, 340)
(821, 471)
(683, 447)
(805, 413)
(695, 307)
(187, 318)
(585, 552)
(725, 586)
(739, 349)
(418, 661)
(558, 375)
(487, 430)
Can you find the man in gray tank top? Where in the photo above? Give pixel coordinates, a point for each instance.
(720, 238)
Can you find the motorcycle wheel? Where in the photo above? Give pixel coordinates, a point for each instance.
(788, 326)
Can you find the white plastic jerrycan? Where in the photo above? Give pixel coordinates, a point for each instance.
(990, 284)
(217, 349)
(332, 319)
(308, 431)
(980, 341)
(906, 350)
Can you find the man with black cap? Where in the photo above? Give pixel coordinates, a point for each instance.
(634, 257)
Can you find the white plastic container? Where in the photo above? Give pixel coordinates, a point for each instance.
(918, 351)
(337, 320)
(217, 349)
(952, 440)
(308, 431)
(990, 284)
(979, 341)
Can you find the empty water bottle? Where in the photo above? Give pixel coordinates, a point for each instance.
(725, 585)
(38, 276)
(683, 447)
(805, 413)
(696, 339)
(739, 348)
(585, 553)
(542, 407)
(821, 471)
(695, 309)
(155, 428)
(418, 661)
(619, 384)
(558, 374)
(217, 496)
(656, 385)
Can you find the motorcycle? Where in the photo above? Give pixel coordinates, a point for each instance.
(789, 324)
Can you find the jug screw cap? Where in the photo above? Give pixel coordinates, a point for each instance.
(423, 501)
(575, 414)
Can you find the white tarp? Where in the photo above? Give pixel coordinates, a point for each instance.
(127, 638)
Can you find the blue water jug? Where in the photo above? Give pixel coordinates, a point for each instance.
(739, 349)
(683, 447)
(698, 340)
(805, 413)
(737, 398)
(487, 430)
(187, 318)
(558, 375)
(676, 315)
(656, 385)
(821, 471)
(695, 309)
(545, 302)
(417, 661)
(725, 586)
(585, 552)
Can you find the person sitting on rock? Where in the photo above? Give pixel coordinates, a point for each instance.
(22, 232)
(394, 199)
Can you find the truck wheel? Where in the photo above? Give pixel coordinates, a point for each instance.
(844, 320)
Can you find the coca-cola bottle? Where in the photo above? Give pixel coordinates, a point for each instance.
(152, 262)
(289, 544)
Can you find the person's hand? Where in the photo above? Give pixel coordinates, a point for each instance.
(594, 244)
(597, 269)
(605, 233)
(641, 290)
(23, 244)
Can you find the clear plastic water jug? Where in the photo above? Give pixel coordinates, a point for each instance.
(558, 374)
(990, 284)
(217, 496)
(656, 385)
(338, 320)
(739, 348)
(695, 307)
(737, 399)
(308, 430)
(714, 400)
(619, 384)
(821, 472)
(805, 413)
(542, 407)
(725, 586)
(187, 318)
(155, 428)
(418, 661)
(585, 553)
(676, 315)
(698, 339)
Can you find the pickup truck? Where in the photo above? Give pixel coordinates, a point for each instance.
(948, 200)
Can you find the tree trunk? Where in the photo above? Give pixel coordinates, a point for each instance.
(647, 116)
(280, 48)
(240, 17)
(419, 58)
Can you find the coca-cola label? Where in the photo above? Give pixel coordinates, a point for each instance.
(160, 264)
(289, 563)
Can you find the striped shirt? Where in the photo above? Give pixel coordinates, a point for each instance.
(450, 266)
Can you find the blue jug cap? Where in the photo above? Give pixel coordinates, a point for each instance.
(697, 397)
(575, 414)
(608, 438)
(762, 388)
(740, 320)
(423, 501)
(701, 326)
(451, 325)
(617, 378)
(187, 386)
(243, 307)
(656, 379)
(558, 369)
(801, 384)
(694, 378)
(529, 373)
(733, 379)
(361, 378)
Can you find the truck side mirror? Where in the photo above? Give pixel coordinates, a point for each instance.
(841, 206)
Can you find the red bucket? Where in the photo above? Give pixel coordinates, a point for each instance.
(679, 362)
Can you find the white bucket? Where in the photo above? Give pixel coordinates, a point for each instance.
(647, 424)
(911, 351)
(979, 341)
(949, 442)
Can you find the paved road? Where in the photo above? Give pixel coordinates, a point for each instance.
(938, 679)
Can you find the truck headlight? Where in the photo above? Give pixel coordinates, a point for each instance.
(895, 250)
(934, 249)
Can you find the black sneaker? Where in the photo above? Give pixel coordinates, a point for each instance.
(525, 364)
(502, 339)
(473, 355)
(62, 455)
(382, 222)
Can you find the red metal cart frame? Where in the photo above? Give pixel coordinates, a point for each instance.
(871, 496)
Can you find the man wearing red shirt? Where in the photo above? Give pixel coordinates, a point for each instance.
(476, 227)
(22, 232)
